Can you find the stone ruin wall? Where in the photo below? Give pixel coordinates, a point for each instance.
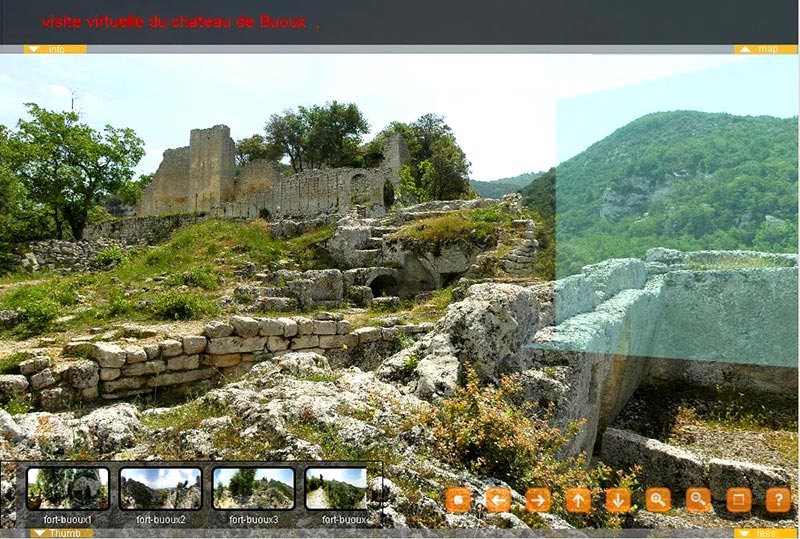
(256, 177)
(656, 317)
(201, 178)
(310, 194)
(110, 371)
(168, 193)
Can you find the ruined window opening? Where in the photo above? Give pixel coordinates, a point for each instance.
(383, 285)
(388, 194)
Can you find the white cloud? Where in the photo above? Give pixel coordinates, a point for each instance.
(59, 90)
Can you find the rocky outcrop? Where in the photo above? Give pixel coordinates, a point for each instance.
(663, 464)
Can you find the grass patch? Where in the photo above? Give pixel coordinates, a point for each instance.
(109, 257)
(433, 308)
(327, 438)
(176, 305)
(308, 251)
(10, 364)
(318, 377)
(200, 257)
(481, 226)
(185, 416)
(410, 364)
(19, 406)
(39, 304)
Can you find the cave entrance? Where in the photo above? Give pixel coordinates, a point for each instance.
(388, 194)
(450, 278)
(383, 285)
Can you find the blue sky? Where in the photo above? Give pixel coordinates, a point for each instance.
(761, 85)
(162, 477)
(354, 476)
(284, 475)
(501, 107)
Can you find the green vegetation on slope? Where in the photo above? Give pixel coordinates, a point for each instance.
(684, 180)
(503, 186)
(178, 280)
(480, 226)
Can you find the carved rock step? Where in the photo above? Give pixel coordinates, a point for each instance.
(368, 257)
(372, 243)
(380, 231)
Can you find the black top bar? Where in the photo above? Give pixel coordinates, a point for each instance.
(413, 22)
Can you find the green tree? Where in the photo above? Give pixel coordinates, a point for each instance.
(53, 483)
(67, 166)
(334, 135)
(438, 169)
(446, 174)
(286, 136)
(21, 218)
(251, 148)
(313, 137)
(243, 482)
(131, 191)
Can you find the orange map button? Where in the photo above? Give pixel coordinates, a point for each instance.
(54, 49)
(765, 49)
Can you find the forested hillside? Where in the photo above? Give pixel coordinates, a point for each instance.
(684, 180)
(503, 186)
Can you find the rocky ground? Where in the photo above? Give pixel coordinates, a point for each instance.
(411, 412)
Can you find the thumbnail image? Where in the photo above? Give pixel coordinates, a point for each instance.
(160, 488)
(253, 488)
(67, 488)
(336, 488)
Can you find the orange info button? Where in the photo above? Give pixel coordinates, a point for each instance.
(765, 49)
(54, 49)
(765, 533)
(62, 532)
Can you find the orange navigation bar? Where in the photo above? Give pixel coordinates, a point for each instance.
(765, 533)
(54, 49)
(765, 49)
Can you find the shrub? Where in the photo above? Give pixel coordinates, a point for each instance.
(202, 277)
(19, 406)
(10, 364)
(110, 256)
(181, 306)
(118, 304)
(491, 432)
(37, 316)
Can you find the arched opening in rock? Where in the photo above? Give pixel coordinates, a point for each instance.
(450, 278)
(383, 285)
(388, 194)
(359, 190)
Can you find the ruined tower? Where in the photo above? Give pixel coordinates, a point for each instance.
(395, 153)
(211, 167)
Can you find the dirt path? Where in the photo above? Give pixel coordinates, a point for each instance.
(7, 287)
(317, 499)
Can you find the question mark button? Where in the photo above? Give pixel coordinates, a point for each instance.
(779, 500)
